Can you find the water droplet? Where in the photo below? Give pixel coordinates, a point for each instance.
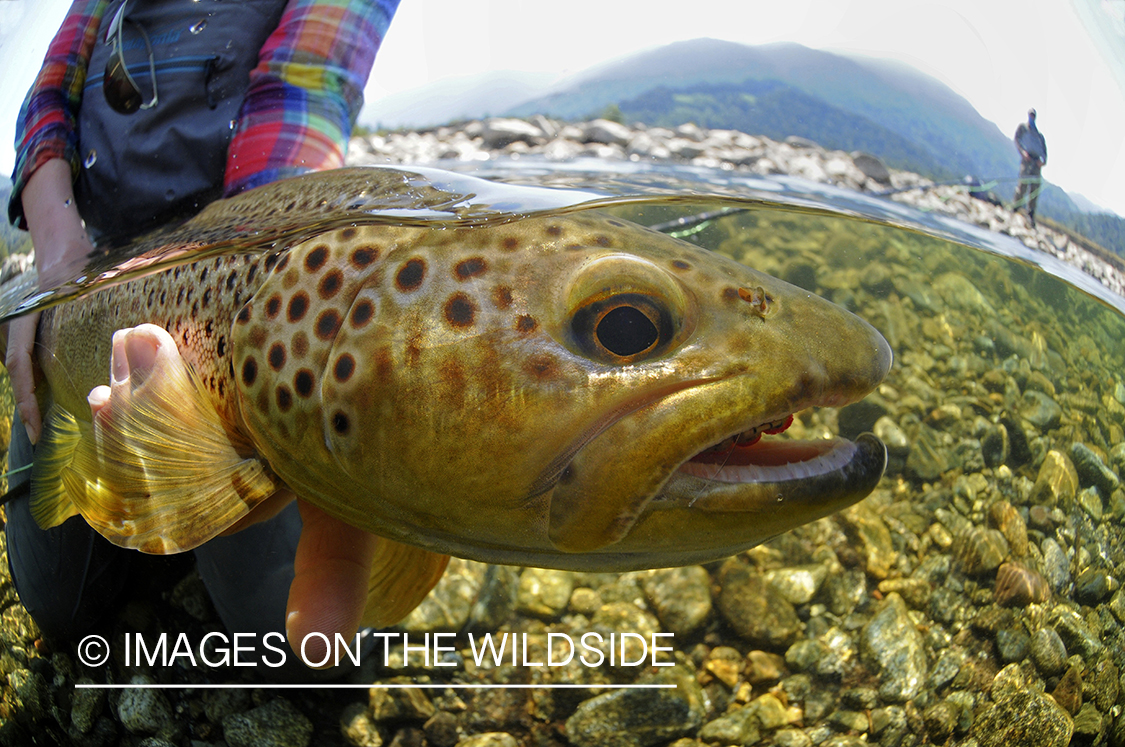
(198, 26)
(231, 124)
(68, 202)
(91, 159)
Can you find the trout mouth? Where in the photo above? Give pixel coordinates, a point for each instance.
(746, 458)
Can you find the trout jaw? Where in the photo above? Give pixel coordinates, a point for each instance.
(722, 496)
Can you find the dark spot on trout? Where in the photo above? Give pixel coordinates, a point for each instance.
(364, 255)
(362, 313)
(460, 311)
(315, 259)
(256, 337)
(284, 398)
(410, 275)
(330, 284)
(230, 280)
(283, 262)
(574, 247)
(340, 423)
(510, 244)
(541, 367)
(413, 350)
(180, 297)
(300, 344)
(679, 264)
(251, 273)
(203, 275)
(502, 296)
(568, 475)
(206, 297)
(730, 294)
(616, 223)
(244, 315)
(327, 324)
(277, 356)
(249, 372)
(271, 261)
(303, 382)
(163, 295)
(348, 233)
(273, 306)
(384, 365)
(345, 366)
(195, 310)
(470, 268)
(525, 324)
(554, 230)
(601, 240)
(208, 328)
(298, 305)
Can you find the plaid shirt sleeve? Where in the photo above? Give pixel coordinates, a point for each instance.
(306, 91)
(47, 128)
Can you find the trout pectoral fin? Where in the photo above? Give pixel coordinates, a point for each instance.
(401, 577)
(50, 501)
(157, 471)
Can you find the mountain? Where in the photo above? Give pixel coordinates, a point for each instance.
(777, 110)
(890, 109)
(914, 106)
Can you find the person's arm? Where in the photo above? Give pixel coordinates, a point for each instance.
(47, 126)
(42, 197)
(306, 91)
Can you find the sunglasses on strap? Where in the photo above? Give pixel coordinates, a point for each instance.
(121, 91)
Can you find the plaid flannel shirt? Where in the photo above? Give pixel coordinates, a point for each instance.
(304, 94)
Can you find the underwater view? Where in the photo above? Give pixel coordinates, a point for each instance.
(963, 589)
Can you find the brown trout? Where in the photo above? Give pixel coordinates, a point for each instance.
(571, 391)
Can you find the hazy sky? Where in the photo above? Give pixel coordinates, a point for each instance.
(1004, 56)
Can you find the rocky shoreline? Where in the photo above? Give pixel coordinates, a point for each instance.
(974, 599)
(482, 140)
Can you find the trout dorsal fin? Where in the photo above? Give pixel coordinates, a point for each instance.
(401, 577)
(159, 473)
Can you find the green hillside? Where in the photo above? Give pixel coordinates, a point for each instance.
(776, 110)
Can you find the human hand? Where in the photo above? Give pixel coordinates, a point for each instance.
(22, 371)
(330, 582)
(60, 241)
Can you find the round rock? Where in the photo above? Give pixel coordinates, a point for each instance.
(275, 724)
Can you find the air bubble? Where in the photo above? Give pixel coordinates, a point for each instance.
(198, 26)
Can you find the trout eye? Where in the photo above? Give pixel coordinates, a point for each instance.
(625, 331)
(622, 328)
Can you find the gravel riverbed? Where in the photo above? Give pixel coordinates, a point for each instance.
(973, 599)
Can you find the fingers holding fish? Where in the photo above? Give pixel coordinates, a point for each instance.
(330, 581)
(18, 361)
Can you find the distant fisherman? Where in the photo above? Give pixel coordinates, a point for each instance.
(1033, 157)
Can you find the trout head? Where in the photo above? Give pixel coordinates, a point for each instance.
(566, 391)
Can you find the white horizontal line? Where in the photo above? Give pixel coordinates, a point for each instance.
(337, 686)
